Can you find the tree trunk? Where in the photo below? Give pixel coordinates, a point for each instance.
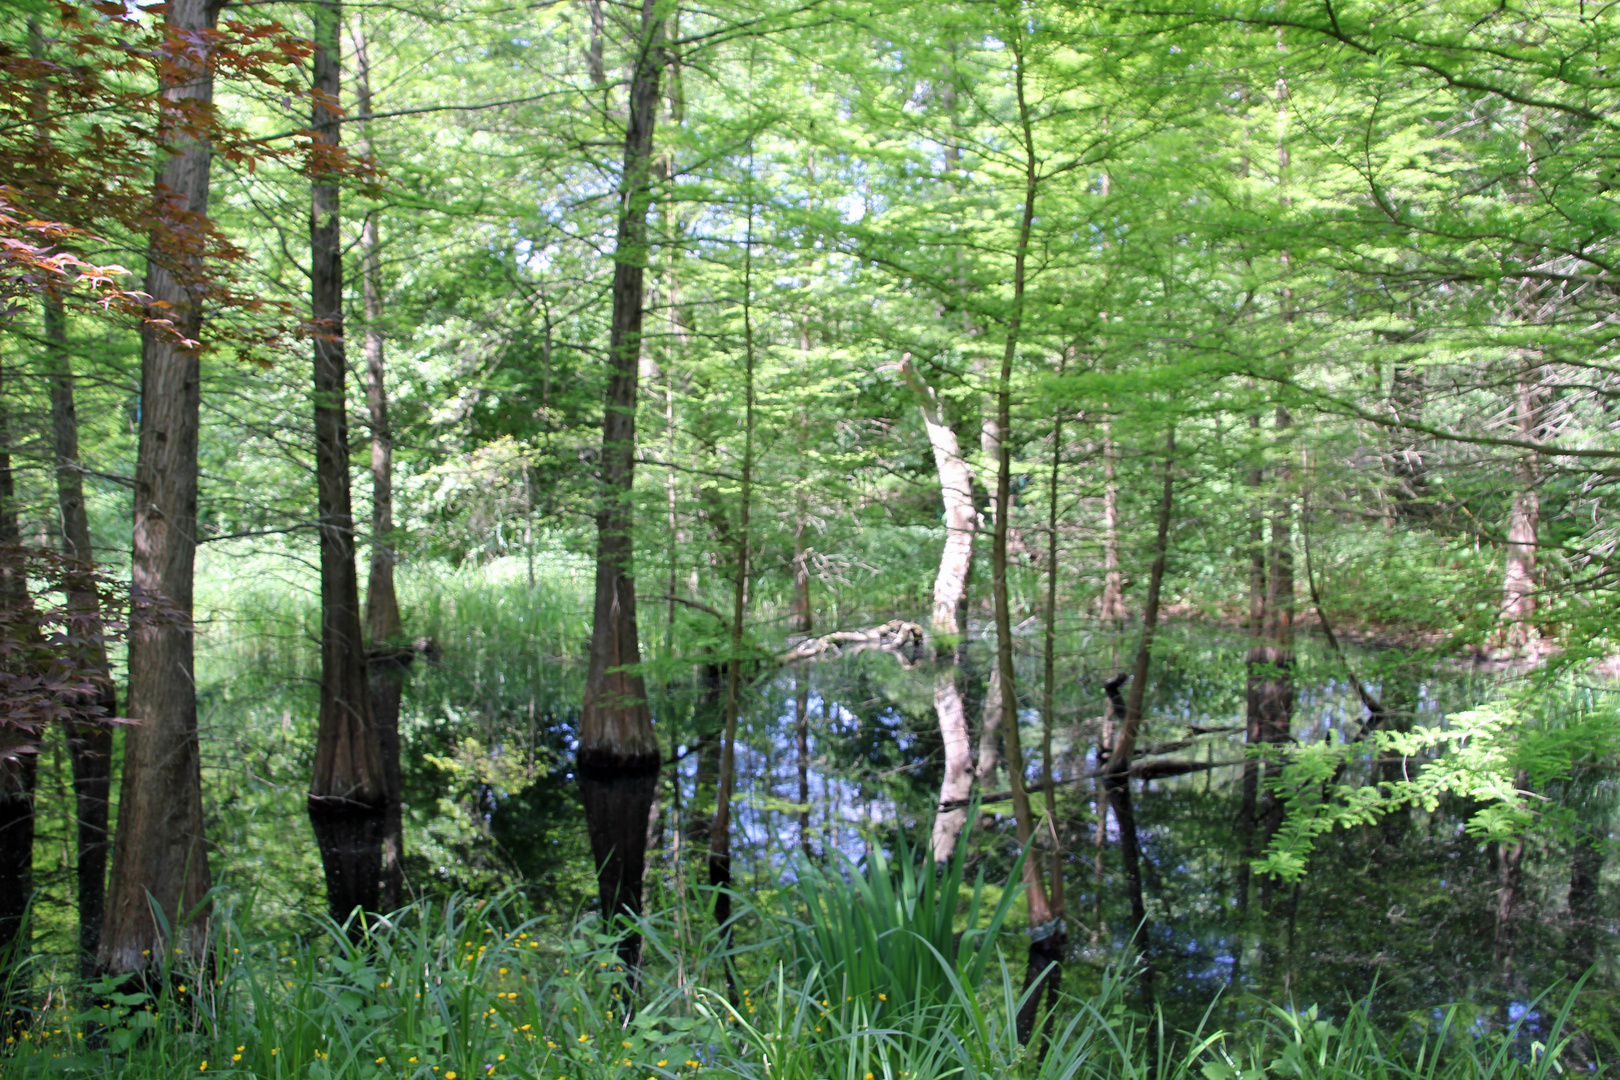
(388, 656)
(708, 723)
(1112, 608)
(801, 735)
(950, 590)
(1585, 886)
(956, 492)
(984, 765)
(1406, 462)
(1043, 970)
(89, 744)
(160, 856)
(1518, 631)
(618, 759)
(1270, 698)
(348, 795)
(17, 777)
(1049, 659)
(805, 624)
(720, 832)
(19, 766)
(1510, 880)
(1117, 778)
(1248, 807)
(1270, 704)
(594, 67)
(957, 786)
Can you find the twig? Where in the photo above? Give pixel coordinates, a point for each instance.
(1375, 708)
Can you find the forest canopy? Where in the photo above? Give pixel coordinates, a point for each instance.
(1088, 520)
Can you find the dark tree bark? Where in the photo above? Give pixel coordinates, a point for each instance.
(1051, 947)
(1270, 705)
(89, 744)
(348, 795)
(1249, 801)
(1049, 658)
(18, 765)
(720, 833)
(388, 657)
(1118, 786)
(594, 66)
(804, 622)
(1585, 886)
(1047, 934)
(1510, 882)
(708, 723)
(619, 758)
(1112, 606)
(160, 855)
(1270, 699)
(1518, 630)
(1129, 719)
(1407, 465)
(17, 776)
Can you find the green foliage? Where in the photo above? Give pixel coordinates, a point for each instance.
(1495, 756)
(893, 937)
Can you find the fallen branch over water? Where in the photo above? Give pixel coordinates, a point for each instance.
(894, 636)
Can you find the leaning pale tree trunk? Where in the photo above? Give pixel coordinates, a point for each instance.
(388, 656)
(348, 795)
(1047, 937)
(90, 745)
(950, 585)
(160, 859)
(618, 758)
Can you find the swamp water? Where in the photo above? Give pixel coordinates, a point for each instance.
(1411, 906)
(1411, 909)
